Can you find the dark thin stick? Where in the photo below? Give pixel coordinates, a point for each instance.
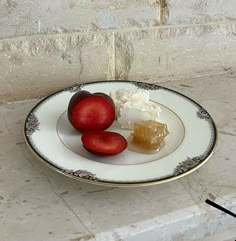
(220, 208)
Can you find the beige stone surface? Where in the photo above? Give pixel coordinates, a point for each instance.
(21, 17)
(35, 66)
(224, 236)
(199, 11)
(181, 52)
(37, 203)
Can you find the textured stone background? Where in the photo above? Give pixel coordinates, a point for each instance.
(47, 45)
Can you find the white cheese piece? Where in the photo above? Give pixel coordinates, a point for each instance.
(134, 111)
(134, 105)
(121, 96)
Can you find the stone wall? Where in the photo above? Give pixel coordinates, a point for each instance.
(47, 45)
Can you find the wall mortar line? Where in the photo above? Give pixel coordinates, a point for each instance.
(120, 30)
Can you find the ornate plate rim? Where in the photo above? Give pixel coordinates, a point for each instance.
(88, 177)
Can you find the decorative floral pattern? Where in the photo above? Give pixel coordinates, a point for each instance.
(202, 114)
(190, 163)
(83, 174)
(147, 86)
(74, 88)
(32, 124)
(186, 165)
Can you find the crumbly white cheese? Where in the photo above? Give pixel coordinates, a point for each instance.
(121, 96)
(134, 105)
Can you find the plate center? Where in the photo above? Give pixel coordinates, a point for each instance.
(72, 140)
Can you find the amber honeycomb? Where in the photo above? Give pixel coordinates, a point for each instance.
(149, 134)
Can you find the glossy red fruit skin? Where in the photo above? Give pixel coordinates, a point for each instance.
(88, 111)
(103, 143)
(105, 96)
(77, 97)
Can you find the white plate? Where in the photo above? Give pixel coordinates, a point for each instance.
(190, 143)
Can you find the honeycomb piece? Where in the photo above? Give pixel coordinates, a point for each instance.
(149, 134)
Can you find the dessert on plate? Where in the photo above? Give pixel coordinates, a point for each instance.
(135, 111)
(149, 134)
(92, 113)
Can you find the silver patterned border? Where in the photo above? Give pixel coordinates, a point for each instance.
(32, 124)
(191, 162)
(82, 174)
(74, 88)
(147, 86)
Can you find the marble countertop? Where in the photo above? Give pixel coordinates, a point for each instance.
(39, 204)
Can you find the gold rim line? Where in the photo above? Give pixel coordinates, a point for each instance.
(114, 184)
